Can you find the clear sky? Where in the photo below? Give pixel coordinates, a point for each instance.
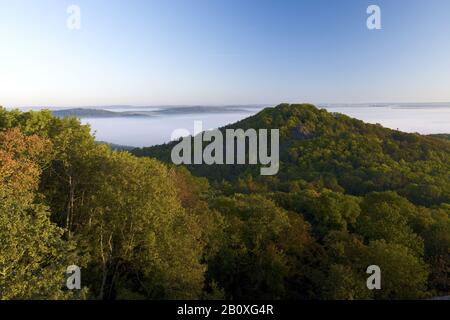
(223, 52)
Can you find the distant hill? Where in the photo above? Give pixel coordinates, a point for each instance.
(158, 111)
(95, 113)
(340, 153)
(204, 109)
(115, 146)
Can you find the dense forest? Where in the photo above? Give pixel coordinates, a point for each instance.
(348, 195)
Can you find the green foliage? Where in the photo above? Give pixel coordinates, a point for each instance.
(343, 283)
(404, 276)
(127, 217)
(437, 250)
(135, 225)
(267, 252)
(325, 210)
(348, 195)
(385, 216)
(33, 254)
(342, 154)
(250, 262)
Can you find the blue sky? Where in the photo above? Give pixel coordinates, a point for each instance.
(223, 52)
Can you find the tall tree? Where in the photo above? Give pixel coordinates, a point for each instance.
(33, 255)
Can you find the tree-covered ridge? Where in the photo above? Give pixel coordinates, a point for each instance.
(341, 153)
(362, 183)
(443, 136)
(142, 229)
(96, 113)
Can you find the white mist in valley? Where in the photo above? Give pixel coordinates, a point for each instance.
(141, 131)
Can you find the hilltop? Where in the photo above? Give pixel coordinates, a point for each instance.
(340, 153)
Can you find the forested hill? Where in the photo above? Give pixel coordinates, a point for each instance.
(340, 153)
(142, 229)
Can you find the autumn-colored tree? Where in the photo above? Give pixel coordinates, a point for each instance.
(33, 255)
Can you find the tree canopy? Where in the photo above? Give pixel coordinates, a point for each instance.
(348, 195)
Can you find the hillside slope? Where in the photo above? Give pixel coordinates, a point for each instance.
(341, 153)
